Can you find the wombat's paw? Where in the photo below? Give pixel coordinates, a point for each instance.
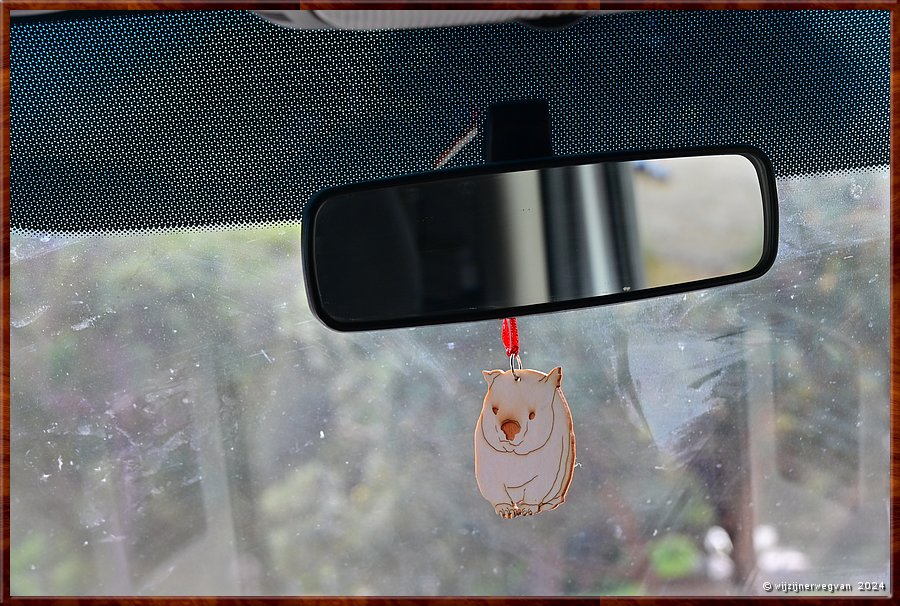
(506, 510)
(527, 510)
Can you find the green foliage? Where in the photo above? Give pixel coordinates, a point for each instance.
(42, 562)
(673, 556)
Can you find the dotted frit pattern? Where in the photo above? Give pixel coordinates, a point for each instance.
(207, 119)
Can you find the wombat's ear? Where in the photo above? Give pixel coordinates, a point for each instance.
(554, 377)
(490, 375)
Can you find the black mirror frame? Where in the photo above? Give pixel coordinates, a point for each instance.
(760, 161)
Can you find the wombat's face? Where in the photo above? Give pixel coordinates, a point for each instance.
(518, 414)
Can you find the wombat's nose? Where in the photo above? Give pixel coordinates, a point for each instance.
(510, 428)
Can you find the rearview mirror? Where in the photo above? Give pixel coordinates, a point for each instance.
(530, 237)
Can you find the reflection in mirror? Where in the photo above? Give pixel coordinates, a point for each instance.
(459, 244)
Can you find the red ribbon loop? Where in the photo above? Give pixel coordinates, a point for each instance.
(510, 335)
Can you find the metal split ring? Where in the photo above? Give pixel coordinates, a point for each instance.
(515, 363)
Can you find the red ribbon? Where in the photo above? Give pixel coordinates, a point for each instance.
(510, 335)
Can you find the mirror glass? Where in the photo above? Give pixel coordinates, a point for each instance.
(467, 246)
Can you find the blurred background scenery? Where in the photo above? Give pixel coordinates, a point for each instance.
(697, 217)
(181, 424)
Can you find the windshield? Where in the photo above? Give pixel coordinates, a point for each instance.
(181, 424)
(178, 415)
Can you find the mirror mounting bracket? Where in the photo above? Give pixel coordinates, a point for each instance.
(518, 130)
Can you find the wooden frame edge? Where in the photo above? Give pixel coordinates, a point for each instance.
(4, 305)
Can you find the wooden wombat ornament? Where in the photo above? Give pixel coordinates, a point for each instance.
(524, 442)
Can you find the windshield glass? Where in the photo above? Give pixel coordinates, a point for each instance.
(181, 424)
